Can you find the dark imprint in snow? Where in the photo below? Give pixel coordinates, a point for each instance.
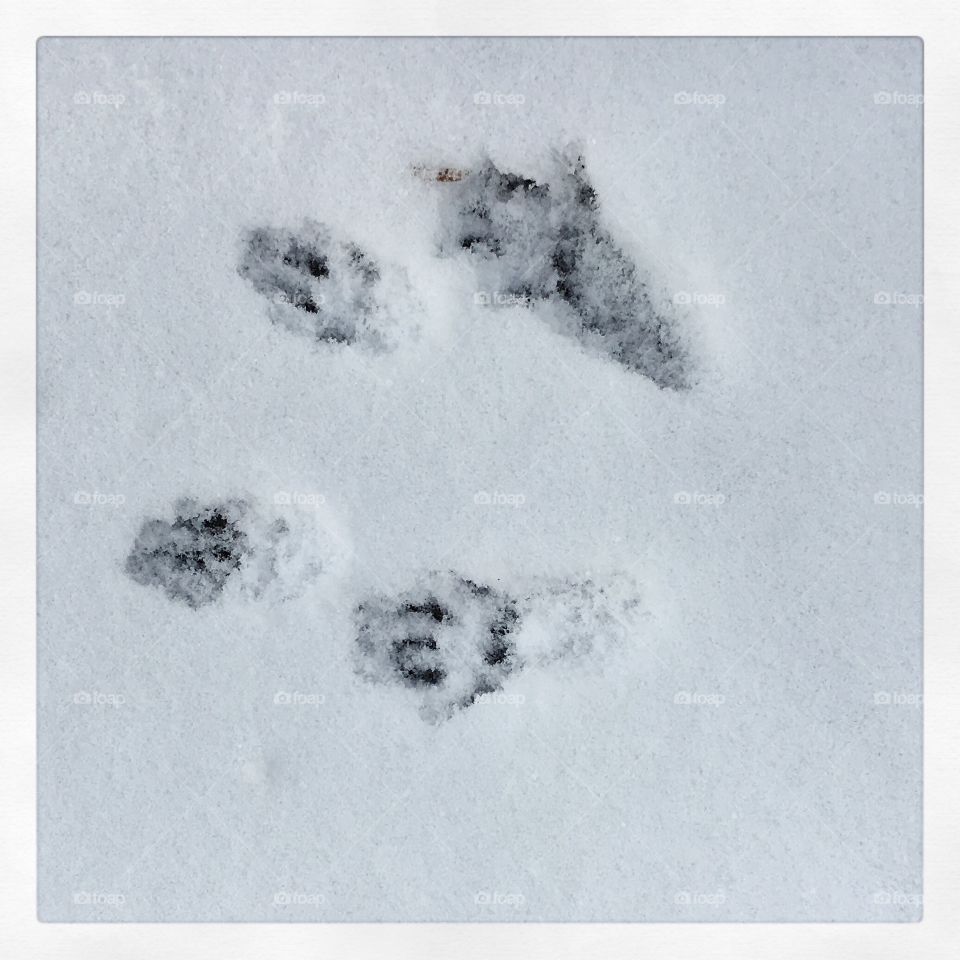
(545, 241)
(450, 640)
(192, 557)
(319, 285)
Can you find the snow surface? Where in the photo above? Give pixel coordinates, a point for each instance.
(747, 748)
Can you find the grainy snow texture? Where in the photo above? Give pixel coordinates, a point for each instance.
(480, 480)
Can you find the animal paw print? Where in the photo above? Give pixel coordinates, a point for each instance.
(533, 241)
(451, 640)
(325, 287)
(194, 557)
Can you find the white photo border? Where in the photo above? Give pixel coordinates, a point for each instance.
(937, 935)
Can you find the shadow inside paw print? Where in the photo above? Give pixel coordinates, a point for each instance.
(545, 241)
(322, 286)
(450, 640)
(191, 557)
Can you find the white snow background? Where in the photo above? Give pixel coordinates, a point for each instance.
(752, 752)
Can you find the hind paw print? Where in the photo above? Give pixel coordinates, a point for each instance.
(533, 241)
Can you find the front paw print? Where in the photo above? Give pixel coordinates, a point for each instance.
(325, 287)
(208, 548)
(450, 640)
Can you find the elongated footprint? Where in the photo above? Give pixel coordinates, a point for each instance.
(530, 241)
